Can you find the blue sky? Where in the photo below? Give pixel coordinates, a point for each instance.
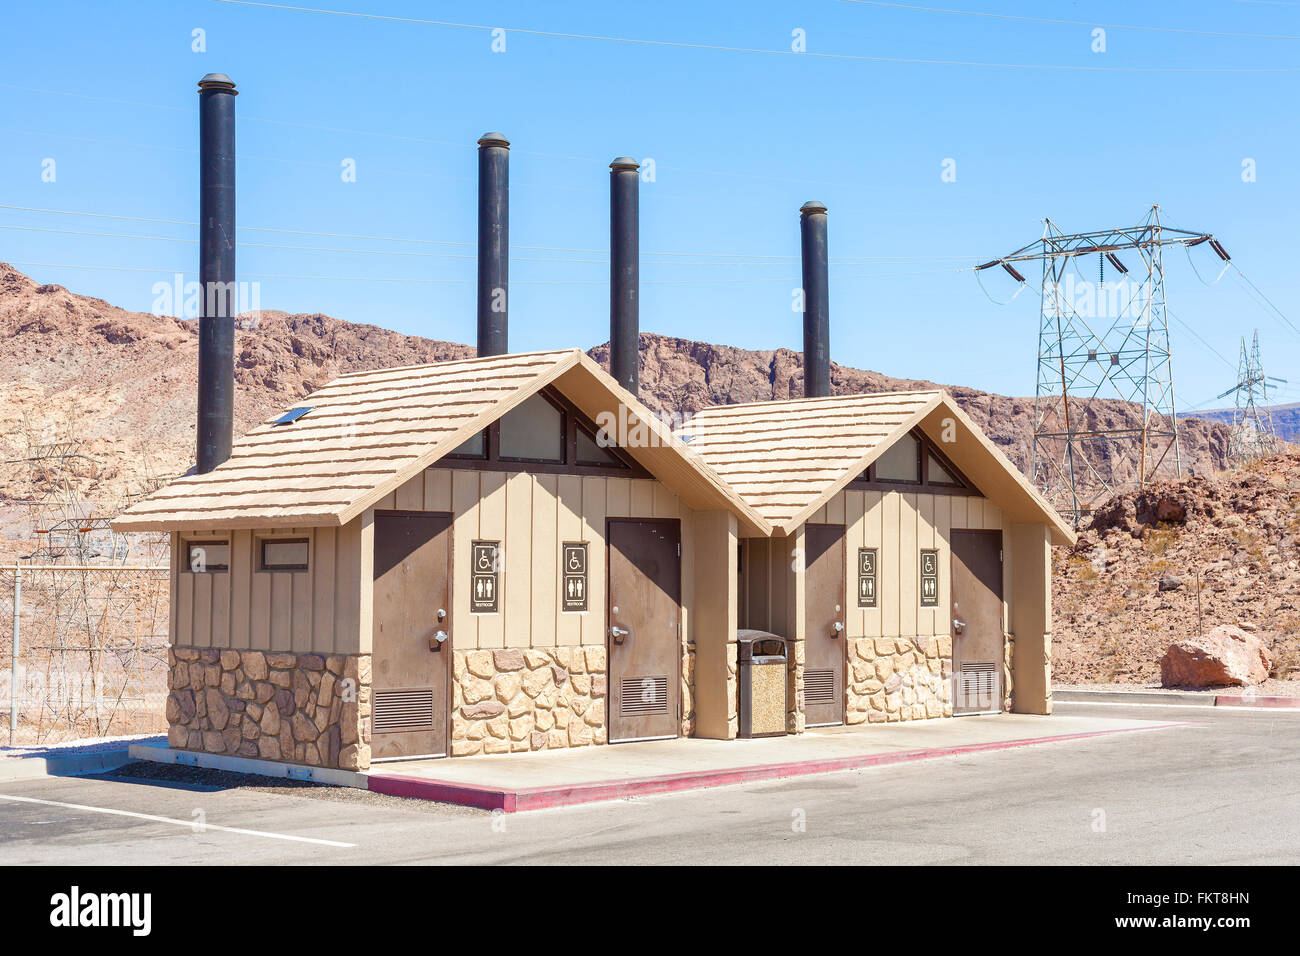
(740, 140)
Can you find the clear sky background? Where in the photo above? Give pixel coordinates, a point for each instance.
(740, 140)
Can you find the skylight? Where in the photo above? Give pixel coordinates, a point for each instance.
(291, 416)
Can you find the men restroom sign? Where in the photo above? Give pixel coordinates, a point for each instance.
(929, 577)
(573, 587)
(484, 577)
(866, 577)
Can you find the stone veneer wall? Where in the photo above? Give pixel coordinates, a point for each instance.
(511, 700)
(795, 717)
(301, 708)
(688, 689)
(894, 679)
(1008, 685)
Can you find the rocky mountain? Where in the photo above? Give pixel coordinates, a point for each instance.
(108, 398)
(1286, 419)
(121, 386)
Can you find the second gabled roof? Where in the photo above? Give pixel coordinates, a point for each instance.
(368, 433)
(788, 458)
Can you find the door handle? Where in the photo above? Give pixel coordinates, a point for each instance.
(959, 626)
(438, 638)
(620, 634)
(836, 628)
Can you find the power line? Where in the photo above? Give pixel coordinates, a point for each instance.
(678, 44)
(1275, 309)
(1072, 23)
(156, 270)
(446, 242)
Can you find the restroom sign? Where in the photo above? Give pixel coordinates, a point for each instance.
(929, 577)
(573, 581)
(484, 576)
(867, 577)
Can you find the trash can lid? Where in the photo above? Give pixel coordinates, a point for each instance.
(754, 644)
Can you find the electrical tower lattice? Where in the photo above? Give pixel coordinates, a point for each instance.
(1104, 402)
(1252, 434)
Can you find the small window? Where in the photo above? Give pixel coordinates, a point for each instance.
(474, 447)
(939, 475)
(901, 461)
(533, 431)
(590, 452)
(284, 554)
(206, 557)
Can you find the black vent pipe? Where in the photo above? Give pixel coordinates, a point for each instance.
(219, 300)
(624, 273)
(816, 301)
(493, 244)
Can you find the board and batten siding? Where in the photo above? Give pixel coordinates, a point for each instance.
(319, 610)
(899, 525)
(532, 515)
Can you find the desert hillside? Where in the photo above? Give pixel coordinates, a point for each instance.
(123, 384)
(1175, 560)
(1286, 419)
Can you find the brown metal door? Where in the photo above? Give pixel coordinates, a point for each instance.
(823, 672)
(977, 622)
(644, 602)
(412, 634)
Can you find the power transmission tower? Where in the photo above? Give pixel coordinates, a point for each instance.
(1103, 349)
(1252, 435)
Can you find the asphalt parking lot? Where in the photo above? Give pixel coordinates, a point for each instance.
(1224, 789)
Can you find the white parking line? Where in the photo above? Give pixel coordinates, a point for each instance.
(189, 824)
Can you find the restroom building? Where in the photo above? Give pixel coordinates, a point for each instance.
(909, 563)
(512, 553)
(444, 560)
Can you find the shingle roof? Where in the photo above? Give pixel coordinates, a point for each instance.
(788, 458)
(369, 432)
(781, 456)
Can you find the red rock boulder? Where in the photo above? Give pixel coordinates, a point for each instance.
(1226, 655)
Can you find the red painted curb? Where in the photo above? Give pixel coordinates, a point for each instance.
(1241, 700)
(419, 788)
(538, 798)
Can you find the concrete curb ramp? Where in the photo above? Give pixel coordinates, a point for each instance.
(72, 765)
(1172, 698)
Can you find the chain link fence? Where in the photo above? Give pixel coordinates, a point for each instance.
(91, 657)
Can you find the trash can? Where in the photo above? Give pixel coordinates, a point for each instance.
(761, 657)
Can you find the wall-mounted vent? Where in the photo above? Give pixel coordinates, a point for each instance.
(819, 687)
(977, 686)
(291, 416)
(642, 696)
(397, 711)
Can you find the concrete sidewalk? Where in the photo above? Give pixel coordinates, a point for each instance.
(530, 781)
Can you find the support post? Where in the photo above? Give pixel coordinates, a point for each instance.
(13, 657)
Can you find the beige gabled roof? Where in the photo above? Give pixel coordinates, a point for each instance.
(370, 432)
(789, 458)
